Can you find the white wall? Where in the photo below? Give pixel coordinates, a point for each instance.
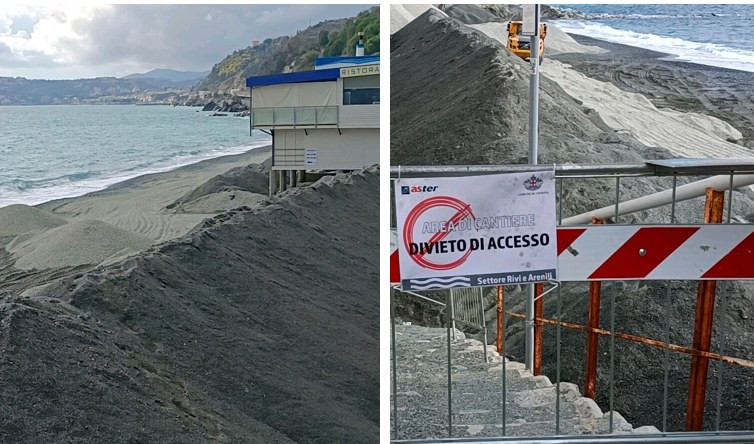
(295, 94)
(359, 116)
(351, 149)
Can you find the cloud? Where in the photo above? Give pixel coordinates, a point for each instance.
(93, 40)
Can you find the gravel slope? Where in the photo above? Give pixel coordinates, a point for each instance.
(260, 325)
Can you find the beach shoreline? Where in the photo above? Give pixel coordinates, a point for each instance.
(213, 163)
(724, 93)
(60, 237)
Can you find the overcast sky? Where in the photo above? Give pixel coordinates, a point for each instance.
(81, 41)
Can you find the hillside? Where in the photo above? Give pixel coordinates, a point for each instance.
(168, 74)
(294, 53)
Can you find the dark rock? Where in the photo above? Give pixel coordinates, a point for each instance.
(211, 106)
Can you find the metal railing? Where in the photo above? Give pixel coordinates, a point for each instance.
(467, 308)
(299, 116)
(662, 438)
(734, 173)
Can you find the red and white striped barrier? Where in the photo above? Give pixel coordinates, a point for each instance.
(658, 252)
(670, 252)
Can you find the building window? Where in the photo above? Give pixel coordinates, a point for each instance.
(364, 90)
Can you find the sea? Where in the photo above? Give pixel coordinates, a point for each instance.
(51, 152)
(719, 35)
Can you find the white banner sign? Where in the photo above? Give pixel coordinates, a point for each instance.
(530, 14)
(311, 156)
(476, 231)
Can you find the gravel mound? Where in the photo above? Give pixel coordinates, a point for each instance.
(401, 15)
(473, 107)
(251, 178)
(76, 243)
(470, 14)
(221, 201)
(19, 219)
(259, 326)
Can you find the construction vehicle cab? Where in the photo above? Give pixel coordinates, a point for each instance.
(520, 44)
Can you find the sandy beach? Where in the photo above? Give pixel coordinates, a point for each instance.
(600, 103)
(121, 220)
(727, 94)
(185, 306)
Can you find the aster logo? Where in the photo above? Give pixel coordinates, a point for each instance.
(533, 183)
(419, 189)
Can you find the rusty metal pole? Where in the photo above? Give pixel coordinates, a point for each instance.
(539, 305)
(592, 339)
(499, 340)
(705, 305)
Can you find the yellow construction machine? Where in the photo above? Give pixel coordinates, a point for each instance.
(521, 44)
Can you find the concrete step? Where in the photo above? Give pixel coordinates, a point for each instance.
(422, 399)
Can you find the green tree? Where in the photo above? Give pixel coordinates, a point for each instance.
(324, 38)
(344, 42)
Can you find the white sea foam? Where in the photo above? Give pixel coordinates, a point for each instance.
(712, 54)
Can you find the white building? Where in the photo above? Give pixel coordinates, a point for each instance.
(326, 119)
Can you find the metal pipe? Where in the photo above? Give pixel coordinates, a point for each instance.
(646, 341)
(719, 402)
(499, 337)
(684, 192)
(611, 378)
(724, 310)
(560, 318)
(411, 293)
(557, 366)
(592, 339)
(539, 305)
(666, 361)
(582, 170)
(658, 438)
(484, 323)
(395, 372)
(450, 387)
(533, 160)
(705, 305)
(529, 329)
(452, 313)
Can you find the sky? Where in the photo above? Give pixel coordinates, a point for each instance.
(82, 41)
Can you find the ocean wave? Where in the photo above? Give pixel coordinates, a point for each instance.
(609, 16)
(20, 185)
(36, 191)
(711, 54)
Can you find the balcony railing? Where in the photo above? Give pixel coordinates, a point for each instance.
(300, 116)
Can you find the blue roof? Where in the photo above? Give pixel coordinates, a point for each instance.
(338, 62)
(320, 75)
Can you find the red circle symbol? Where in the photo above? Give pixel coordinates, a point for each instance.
(463, 210)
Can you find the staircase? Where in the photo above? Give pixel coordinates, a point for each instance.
(422, 393)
